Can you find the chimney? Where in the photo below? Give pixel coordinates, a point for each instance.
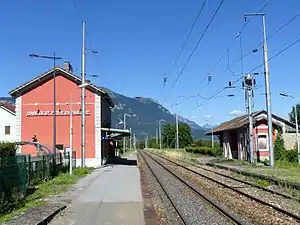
(68, 67)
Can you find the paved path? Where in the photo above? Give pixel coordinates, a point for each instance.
(108, 196)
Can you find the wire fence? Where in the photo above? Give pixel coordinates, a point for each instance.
(22, 172)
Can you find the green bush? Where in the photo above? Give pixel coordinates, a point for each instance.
(279, 149)
(205, 150)
(9, 203)
(291, 155)
(7, 149)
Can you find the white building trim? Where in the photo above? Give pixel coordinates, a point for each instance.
(19, 121)
(98, 144)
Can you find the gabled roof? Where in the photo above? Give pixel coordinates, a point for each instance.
(242, 121)
(9, 107)
(31, 84)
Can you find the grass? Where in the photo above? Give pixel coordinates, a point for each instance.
(261, 182)
(179, 154)
(282, 170)
(47, 190)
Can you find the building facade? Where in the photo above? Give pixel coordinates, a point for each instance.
(7, 122)
(34, 114)
(234, 136)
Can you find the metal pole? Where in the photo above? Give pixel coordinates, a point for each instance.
(212, 138)
(124, 139)
(54, 108)
(249, 91)
(134, 141)
(156, 134)
(130, 140)
(83, 97)
(177, 138)
(297, 132)
(268, 94)
(159, 131)
(71, 137)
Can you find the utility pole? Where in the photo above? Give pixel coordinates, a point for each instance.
(134, 141)
(212, 137)
(130, 144)
(249, 88)
(83, 97)
(159, 131)
(267, 87)
(71, 137)
(156, 135)
(124, 139)
(146, 141)
(177, 138)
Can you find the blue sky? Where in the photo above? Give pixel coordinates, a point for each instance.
(138, 42)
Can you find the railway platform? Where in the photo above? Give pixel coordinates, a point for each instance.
(110, 195)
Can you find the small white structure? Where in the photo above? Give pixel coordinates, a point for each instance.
(7, 122)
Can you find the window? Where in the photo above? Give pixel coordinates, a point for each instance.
(262, 142)
(7, 130)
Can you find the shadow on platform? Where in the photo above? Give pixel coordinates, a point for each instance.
(121, 161)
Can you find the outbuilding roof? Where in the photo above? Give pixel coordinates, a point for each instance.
(241, 121)
(9, 107)
(31, 84)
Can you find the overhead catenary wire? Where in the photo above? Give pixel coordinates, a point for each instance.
(220, 90)
(196, 46)
(184, 44)
(237, 35)
(269, 37)
(278, 53)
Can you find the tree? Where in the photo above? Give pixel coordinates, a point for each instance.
(279, 149)
(168, 136)
(292, 114)
(184, 135)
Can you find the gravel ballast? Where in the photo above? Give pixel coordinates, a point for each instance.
(193, 209)
(165, 212)
(254, 211)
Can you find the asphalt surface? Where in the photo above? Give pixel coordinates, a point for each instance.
(110, 195)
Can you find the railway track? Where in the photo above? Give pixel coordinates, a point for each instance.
(217, 214)
(238, 188)
(228, 177)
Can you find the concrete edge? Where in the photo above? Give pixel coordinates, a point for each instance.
(150, 216)
(256, 175)
(46, 220)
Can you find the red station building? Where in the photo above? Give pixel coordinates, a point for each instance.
(34, 115)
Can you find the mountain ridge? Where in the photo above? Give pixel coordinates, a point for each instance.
(143, 115)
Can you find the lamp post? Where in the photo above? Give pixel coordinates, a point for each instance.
(54, 58)
(296, 121)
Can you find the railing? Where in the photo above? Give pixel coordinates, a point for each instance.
(25, 171)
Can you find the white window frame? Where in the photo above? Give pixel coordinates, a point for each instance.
(267, 140)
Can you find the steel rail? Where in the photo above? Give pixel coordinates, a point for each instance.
(230, 217)
(294, 216)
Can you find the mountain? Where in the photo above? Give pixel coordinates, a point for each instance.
(143, 114)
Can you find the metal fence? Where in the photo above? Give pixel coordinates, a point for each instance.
(24, 171)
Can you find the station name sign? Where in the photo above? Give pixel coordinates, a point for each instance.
(58, 113)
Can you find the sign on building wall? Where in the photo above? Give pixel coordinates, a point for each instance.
(58, 113)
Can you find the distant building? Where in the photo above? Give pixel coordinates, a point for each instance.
(7, 122)
(234, 135)
(34, 115)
